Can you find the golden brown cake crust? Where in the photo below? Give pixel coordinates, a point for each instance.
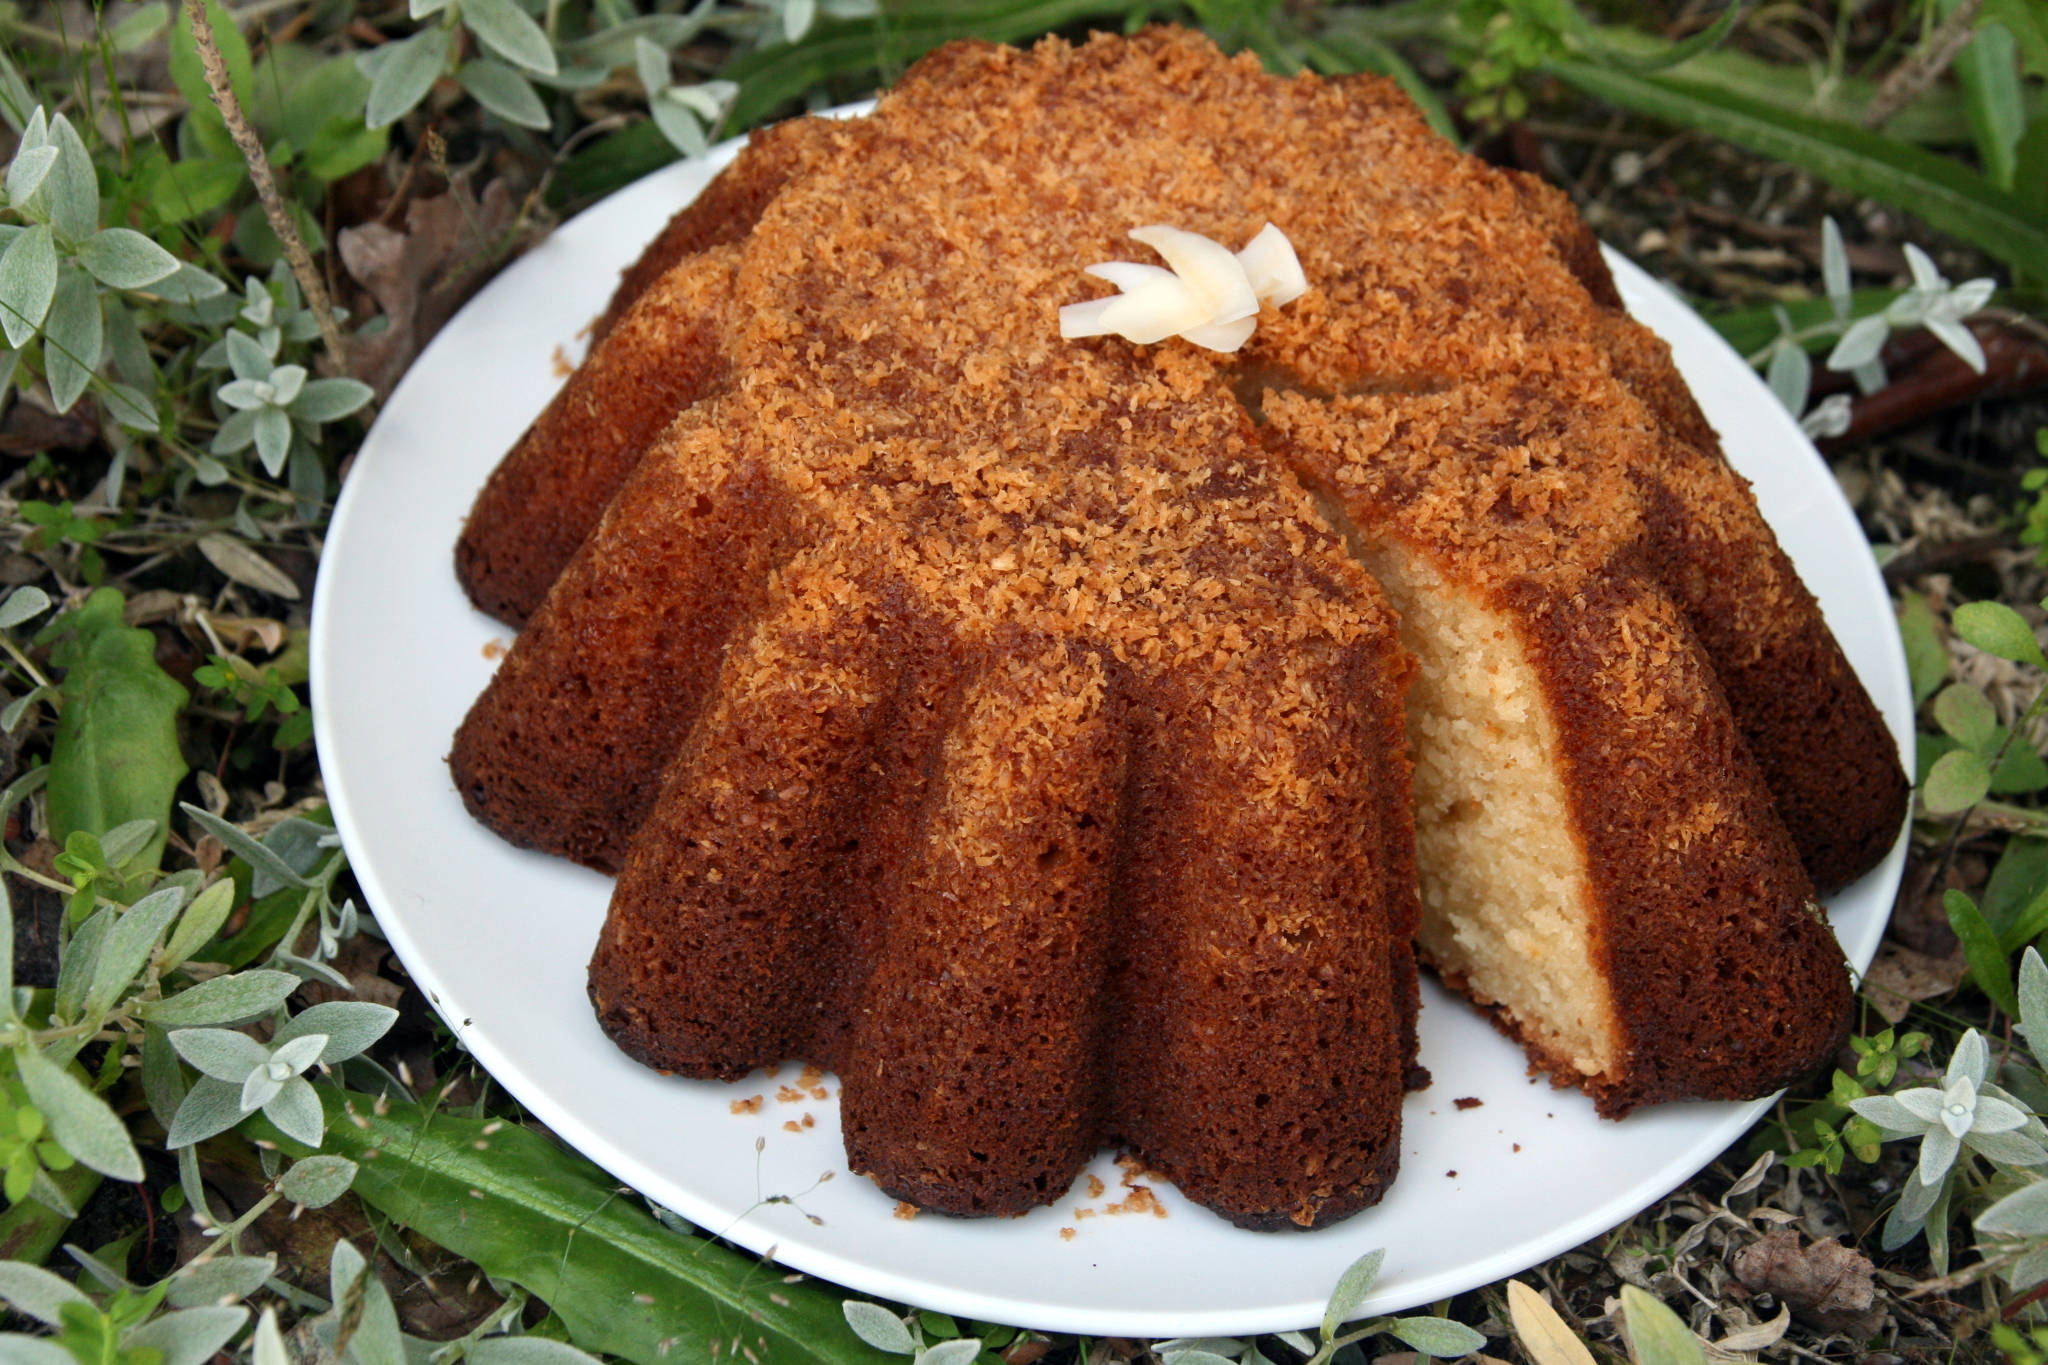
(999, 719)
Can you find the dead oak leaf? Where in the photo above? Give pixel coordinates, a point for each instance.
(1902, 975)
(419, 277)
(1824, 1282)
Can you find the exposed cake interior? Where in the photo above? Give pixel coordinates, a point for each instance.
(1505, 898)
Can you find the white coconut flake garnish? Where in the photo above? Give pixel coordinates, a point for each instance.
(1209, 296)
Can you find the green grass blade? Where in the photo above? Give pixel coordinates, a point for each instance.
(537, 1214)
(1948, 197)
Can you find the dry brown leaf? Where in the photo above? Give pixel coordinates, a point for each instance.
(420, 276)
(241, 563)
(1758, 1335)
(1901, 976)
(1824, 1282)
(1543, 1333)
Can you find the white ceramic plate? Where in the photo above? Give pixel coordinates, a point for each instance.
(498, 937)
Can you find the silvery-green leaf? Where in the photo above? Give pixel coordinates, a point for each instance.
(1658, 1335)
(1917, 1197)
(960, 1351)
(128, 945)
(318, 1180)
(1790, 376)
(425, 9)
(679, 125)
(190, 1336)
(2034, 1002)
(73, 335)
(850, 9)
(403, 74)
(328, 400)
(36, 132)
(269, 1341)
(299, 1051)
(797, 17)
(652, 64)
(1910, 309)
(1959, 339)
(210, 472)
(300, 845)
(348, 1026)
(260, 1086)
(1888, 1113)
(74, 969)
(223, 1000)
(25, 174)
(250, 359)
(79, 1120)
(237, 433)
(1832, 416)
(1860, 344)
(34, 1292)
(2010, 1148)
(273, 439)
(11, 715)
(45, 1191)
(73, 187)
(121, 843)
(1967, 297)
(1193, 1356)
(21, 1350)
(129, 407)
(224, 1277)
(189, 285)
(1834, 267)
(526, 1351)
(123, 258)
(1352, 1287)
(2023, 1213)
(285, 382)
(295, 1109)
(203, 918)
(1927, 277)
(30, 601)
(507, 31)
(1992, 1115)
(1230, 1348)
(345, 1266)
(1439, 1337)
(2029, 1270)
(1938, 1151)
(141, 27)
(706, 99)
(378, 1340)
(504, 92)
(220, 1053)
(1970, 1060)
(28, 281)
(213, 1106)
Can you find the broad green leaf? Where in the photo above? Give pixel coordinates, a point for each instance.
(1965, 713)
(1958, 780)
(2027, 21)
(1352, 1288)
(180, 191)
(1988, 71)
(115, 757)
(320, 97)
(1997, 629)
(878, 1327)
(1656, 1335)
(1989, 967)
(187, 73)
(1439, 1337)
(343, 147)
(73, 336)
(79, 1120)
(141, 27)
(1542, 1332)
(223, 1001)
(404, 72)
(125, 259)
(318, 1180)
(504, 28)
(203, 918)
(503, 92)
(542, 1217)
(28, 281)
(1947, 195)
(1926, 656)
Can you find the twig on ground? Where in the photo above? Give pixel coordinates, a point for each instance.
(1911, 77)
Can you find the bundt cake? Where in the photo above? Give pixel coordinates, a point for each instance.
(1019, 726)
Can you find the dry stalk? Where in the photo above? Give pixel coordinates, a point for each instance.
(274, 209)
(1912, 77)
